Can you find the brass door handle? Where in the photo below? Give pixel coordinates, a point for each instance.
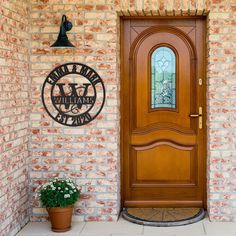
(195, 115)
(199, 115)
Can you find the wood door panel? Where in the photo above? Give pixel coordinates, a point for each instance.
(162, 203)
(146, 136)
(163, 149)
(153, 164)
(174, 194)
(141, 56)
(189, 30)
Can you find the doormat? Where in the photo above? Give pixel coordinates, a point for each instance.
(164, 217)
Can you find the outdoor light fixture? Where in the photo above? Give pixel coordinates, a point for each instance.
(62, 39)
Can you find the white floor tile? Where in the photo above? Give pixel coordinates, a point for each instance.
(120, 227)
(156, 234)
(220, 228)
(44, 229)
(35, 229)
(189, 234)
(75, 230)
(127, 235)
(125, 228)
(32, 234)
(159, 234)
(188, 230)
(94, 235)
(63, 234)
(221, 234)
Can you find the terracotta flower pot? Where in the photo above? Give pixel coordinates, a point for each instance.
(60, 218)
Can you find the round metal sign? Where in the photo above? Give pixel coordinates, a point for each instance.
(73, 94)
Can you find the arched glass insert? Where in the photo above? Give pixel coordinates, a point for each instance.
(163, 78)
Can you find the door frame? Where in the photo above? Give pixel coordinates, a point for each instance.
(123, 106)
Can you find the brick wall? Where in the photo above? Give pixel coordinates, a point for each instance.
(14, 115)
(90, 154)
(221, 97)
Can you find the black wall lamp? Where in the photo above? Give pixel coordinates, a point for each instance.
(62, 39)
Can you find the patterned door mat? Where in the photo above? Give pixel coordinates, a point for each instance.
(163, 216)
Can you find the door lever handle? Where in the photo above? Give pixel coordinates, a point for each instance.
(195, 115)
(199, 115)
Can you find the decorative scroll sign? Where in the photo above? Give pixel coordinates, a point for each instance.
(73, 94)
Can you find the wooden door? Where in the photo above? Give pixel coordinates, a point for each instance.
(163, 113)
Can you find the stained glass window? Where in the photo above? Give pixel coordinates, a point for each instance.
(163, 78)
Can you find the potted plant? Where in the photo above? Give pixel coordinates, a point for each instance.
(59, 196)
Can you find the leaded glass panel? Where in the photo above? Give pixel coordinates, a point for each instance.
(163, 78)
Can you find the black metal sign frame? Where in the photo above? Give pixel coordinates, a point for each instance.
(71, 103)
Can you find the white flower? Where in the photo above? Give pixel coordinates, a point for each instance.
(66, 195)
(45, 185)
(59, 188)
(71, 191)
(74, 190)
(66, 189)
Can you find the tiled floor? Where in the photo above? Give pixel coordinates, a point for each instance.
(124, 228)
